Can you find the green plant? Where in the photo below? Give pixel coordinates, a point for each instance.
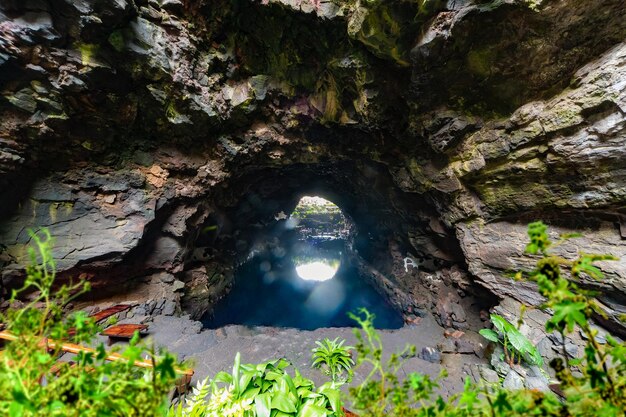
(110, 321)
(195, 404)
(33, 382)
(334, 358)
(600, 390)
(382, 393)
(516, 345)
(263, 390)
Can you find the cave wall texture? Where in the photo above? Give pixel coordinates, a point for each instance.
(153, 137)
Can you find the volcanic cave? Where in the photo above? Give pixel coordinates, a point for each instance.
(166, 144)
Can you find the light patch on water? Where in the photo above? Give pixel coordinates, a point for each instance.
(317, 271)
(327, 299)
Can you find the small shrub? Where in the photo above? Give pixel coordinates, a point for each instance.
(516, 345)
(334, 359)
(32, 380)
(600, 391)
(383, 393)
(262, 390)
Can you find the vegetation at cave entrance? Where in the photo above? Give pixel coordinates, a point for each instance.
(318, 216)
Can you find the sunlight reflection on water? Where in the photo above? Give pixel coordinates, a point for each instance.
(321, 270)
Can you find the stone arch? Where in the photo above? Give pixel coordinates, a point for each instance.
(244, 211)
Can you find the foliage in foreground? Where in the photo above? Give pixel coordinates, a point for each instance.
(600, 391)
(32, 381)
(30, 387)
(261, 390)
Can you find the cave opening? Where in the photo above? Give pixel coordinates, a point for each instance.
(300, 277)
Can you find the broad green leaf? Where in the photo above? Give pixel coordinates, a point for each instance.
(261, 367)
(490, 335)
(290, 384)
(251, 392)
(306, 393)
(312, 410)
(334, 397)
(519, 341)
(500, 323)
(535, 357)
(283, 402)
(16, 409)
(273, 375)
(263, 405)
(57, 405)
(236, 374)
(223, 377)
(282, 364)
(244, 380)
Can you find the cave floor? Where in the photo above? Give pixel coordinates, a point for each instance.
(211, 351)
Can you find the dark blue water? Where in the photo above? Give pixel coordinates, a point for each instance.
(263, 296)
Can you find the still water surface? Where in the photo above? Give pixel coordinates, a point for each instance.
(305, 294)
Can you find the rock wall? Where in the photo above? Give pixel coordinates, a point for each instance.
(157, 136)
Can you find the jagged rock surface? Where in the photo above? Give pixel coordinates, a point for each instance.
(163, 136)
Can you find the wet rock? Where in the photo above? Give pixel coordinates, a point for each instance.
(535, 383)
(137, 319)
(167, 254)
(557, 339)
(484, 315)
(455, 334)
(178, 285)
(498, 363)
(448, 129)
(139, 310)
(212, 126)
(166, 278)
(23, 100)
(600, 335)
(460, 325)
(572, 350)
(150, 306)
(450, 313)
(535, 371)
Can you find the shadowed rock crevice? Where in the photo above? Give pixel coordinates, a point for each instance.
(381, 216)
(144, 133)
